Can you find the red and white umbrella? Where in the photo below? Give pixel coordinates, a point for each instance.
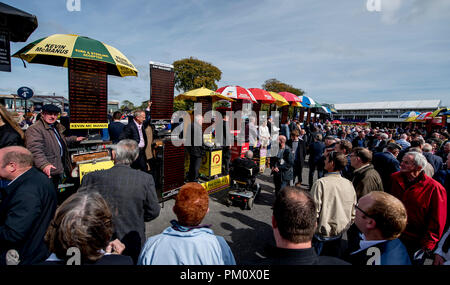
(237, 92)
(262, 95)
(292, 98)
(424, 116)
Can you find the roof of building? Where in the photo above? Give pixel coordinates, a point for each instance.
(407, 105)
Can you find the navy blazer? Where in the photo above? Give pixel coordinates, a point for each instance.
(386, 164)
(316, 150)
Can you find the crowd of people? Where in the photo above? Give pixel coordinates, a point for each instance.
(379, 198)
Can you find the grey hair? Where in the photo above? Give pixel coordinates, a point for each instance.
(427, 147)
(137, 112)
(249, 154)
(127, 151)
(419, 159)
(384, 136)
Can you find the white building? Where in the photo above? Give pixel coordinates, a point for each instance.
(386, 111)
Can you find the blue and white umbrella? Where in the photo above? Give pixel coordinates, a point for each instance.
(307, 102)
(409, 114)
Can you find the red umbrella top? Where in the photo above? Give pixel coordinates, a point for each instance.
(237, 92)
(290, 97)
(262, 95)
(336, 122)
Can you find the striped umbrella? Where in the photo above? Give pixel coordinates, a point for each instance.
(409, 114)
(57, 49)
(424, 116)
(237, 92)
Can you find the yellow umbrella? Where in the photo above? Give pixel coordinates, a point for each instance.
(201, 92)
(436, 113)
(58, 48)
(280, 99)
(411, 119)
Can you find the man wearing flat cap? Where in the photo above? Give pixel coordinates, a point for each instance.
(386, 163)
(46, 141)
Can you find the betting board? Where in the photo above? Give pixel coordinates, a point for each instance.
(88, 92)
(162, 80)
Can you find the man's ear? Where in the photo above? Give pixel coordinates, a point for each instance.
(371, 224)
(274, 223)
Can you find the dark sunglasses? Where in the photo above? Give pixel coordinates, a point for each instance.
(365, 213)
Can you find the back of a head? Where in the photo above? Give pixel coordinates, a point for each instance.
(249, 154)
(83, 221)
(346, 146)
(117, 115)
(389, 213)
(363, 153)
(417, 142)
(294, 211)
(17, 154)
(318, 137)
(427, 147)
(126, 151)
(191, 204)
(339, 159)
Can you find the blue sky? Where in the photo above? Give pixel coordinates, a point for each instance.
(336, 51)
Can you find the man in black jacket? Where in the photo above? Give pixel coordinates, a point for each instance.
(294, 222)
(135, 130)
(282, 165)
(27, 207)
(195, 148)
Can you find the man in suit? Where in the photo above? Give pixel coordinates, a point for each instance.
(381, 218)
(130, 194)
(365, 178)
(298, 147)
(360, 140)
(315, 161)
(27, 207)
(434, 160)
(195, 148)
(135, 130)
(386, 163)
(282, 165)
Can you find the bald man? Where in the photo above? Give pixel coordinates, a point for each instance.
(282, 166)
(27, 207)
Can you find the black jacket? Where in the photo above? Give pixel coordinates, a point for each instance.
(130, 131)
(9, 136)
(28, 207)
(282, 256)
(195, 150)
(285, 169)
(386, 164)
(434, 160)
(316, 150)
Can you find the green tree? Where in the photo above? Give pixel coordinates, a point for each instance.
(127, 105)
(275, 85)
(192, 73)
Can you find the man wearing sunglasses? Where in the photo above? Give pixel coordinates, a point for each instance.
(381, 218)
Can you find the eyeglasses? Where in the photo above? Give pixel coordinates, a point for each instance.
(365, 213)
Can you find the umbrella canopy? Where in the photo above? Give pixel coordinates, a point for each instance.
(20, 24)
(308, 102)
(280, 101)
(446, 113)
(424, 116)
(237, 92)
(262, 95)
(326, 109)
(438, 112)
(411, 119)
(201, 92)
(57, 49)
(409, 114)
(292, 98)
(336, 122)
